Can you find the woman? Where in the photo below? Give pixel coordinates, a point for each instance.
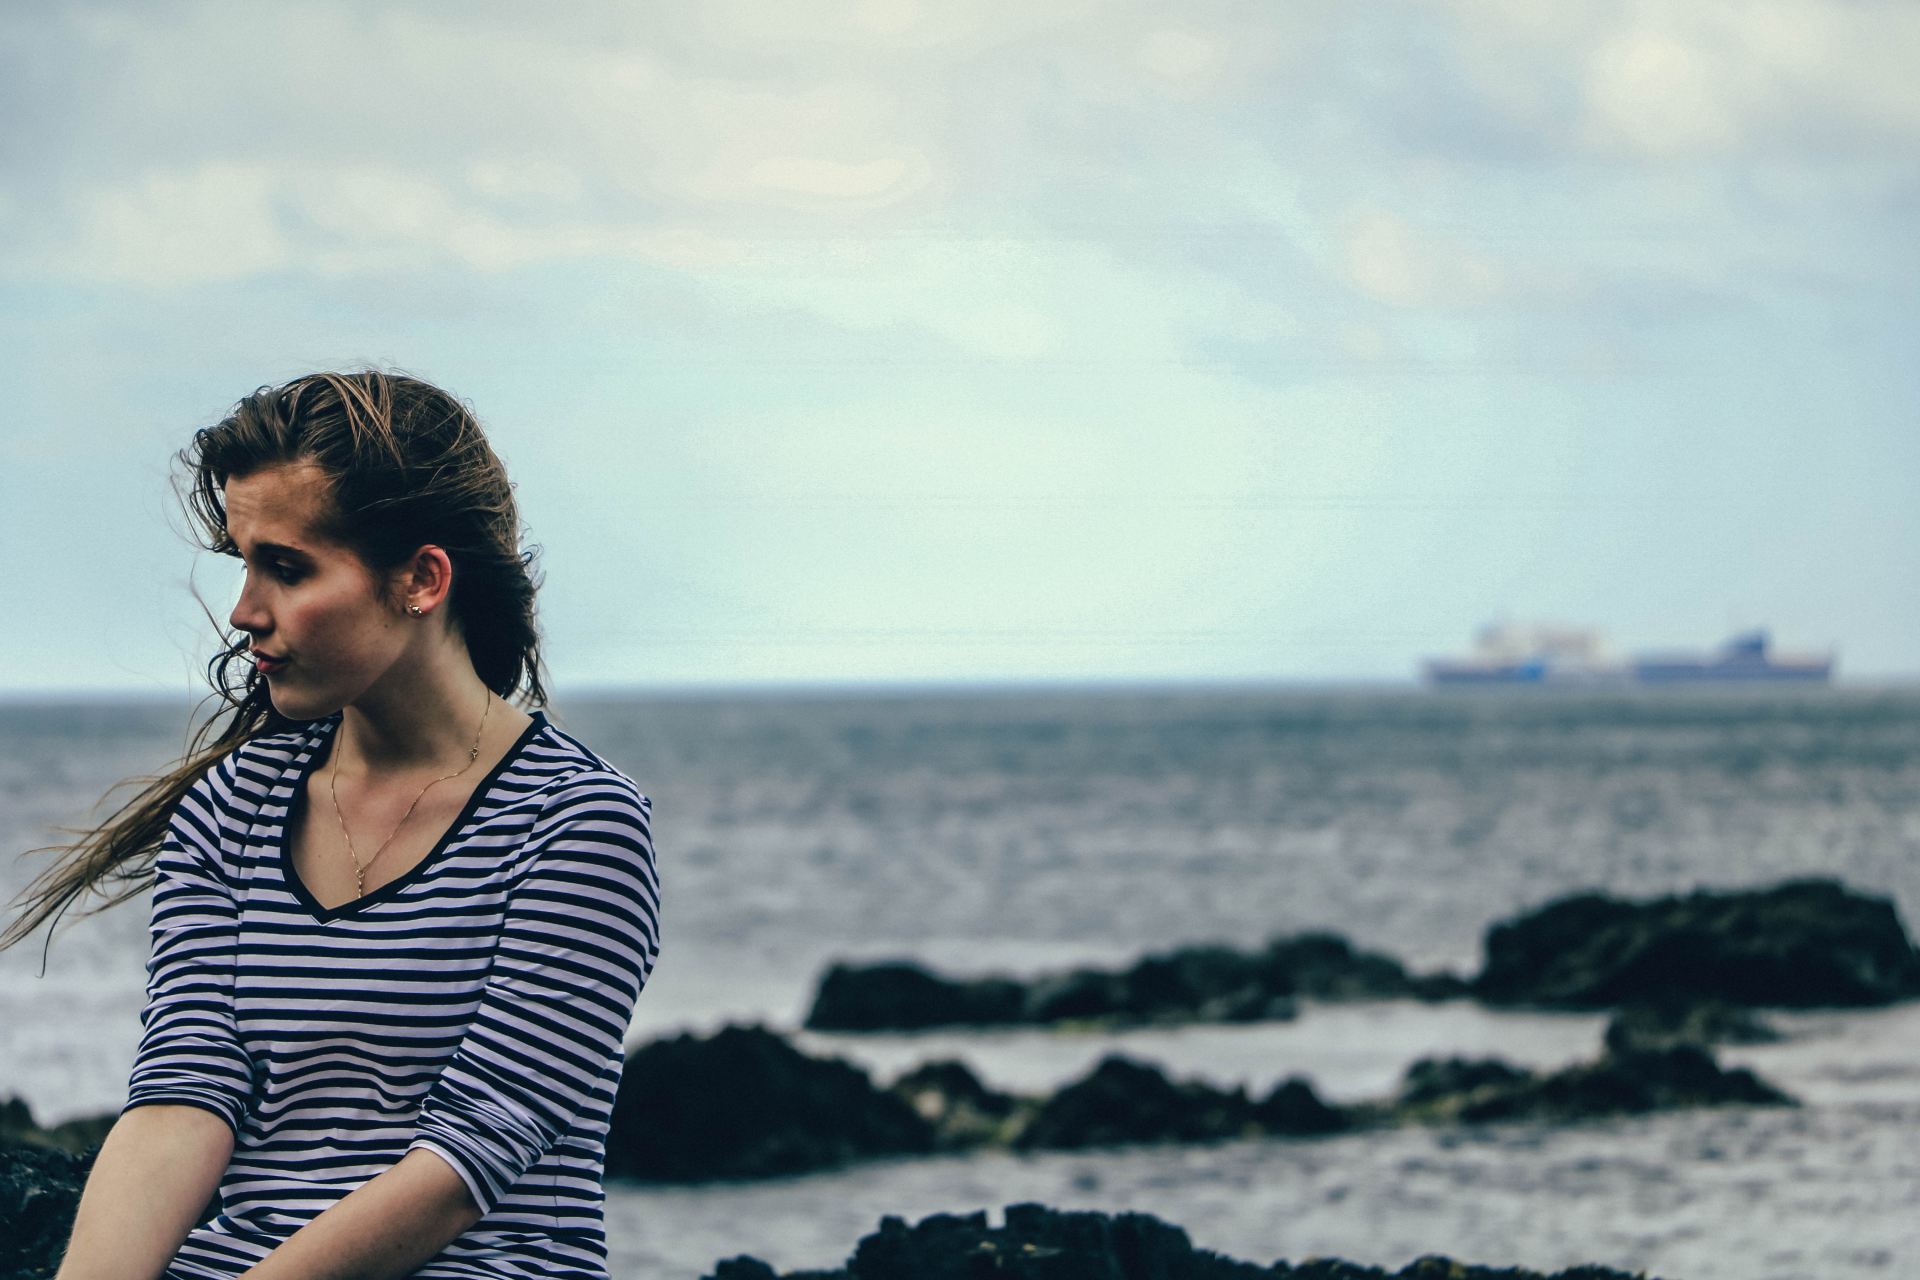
(399, 924)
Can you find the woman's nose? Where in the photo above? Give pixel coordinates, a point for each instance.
(246, 615)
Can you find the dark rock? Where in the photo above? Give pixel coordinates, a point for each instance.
(1618, 1084)
(39, 1192)
(76, 1137)
(963, 1111)
(1325, 966)
(1077, 995)
(743, 1267)
(1293, 1108)
(1804, 943)
(1124, 1101)
(1210, 984)
(744, 1103)
(1433, 1080)
(902, 996)
(1038, 1243)
(1641, 1027)
(1188, 984)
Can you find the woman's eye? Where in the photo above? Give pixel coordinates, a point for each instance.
(285, 572)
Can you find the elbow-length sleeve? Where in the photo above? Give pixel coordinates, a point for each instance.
(190, 1050)
(578, 942)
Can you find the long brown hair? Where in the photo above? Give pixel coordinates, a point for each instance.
(404, 464)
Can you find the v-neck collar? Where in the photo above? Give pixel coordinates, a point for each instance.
(304, 770)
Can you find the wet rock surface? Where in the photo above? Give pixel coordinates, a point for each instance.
(1038, 1243)
(39, 1191)
(963, 1111)
(1667, 1026)
(743, 1103)
(1125, 1101)
(1803, 943)
(1630, 1083)
(1189, 984)
(1799, 944)
(76, 1137)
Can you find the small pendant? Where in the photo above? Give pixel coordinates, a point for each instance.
(473, 753)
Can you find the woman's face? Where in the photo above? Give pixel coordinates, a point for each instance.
(307, 601)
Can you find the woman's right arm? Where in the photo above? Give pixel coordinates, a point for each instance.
(151, 1181)
(192, 1083)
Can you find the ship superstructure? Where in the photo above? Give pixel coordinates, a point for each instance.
(1508, 653)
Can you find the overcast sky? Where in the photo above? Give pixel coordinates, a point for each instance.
(997, 341)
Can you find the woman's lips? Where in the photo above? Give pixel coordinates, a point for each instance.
(268, 666)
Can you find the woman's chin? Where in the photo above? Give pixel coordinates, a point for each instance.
(294, 705)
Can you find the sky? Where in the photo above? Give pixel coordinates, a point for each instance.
(1051, 340)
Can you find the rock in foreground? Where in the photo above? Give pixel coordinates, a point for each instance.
(1038, 1243)
(1803, 943)
(39, 1191)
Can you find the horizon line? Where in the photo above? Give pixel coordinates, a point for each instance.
(963, 686)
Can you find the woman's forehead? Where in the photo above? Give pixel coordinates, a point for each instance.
(280, 504)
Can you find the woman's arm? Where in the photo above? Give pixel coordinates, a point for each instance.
(578, 942)
(150, 1183)
(387, 1227)
(192, 1082)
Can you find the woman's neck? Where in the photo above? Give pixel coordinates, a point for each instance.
(422, 733)
(421, 714)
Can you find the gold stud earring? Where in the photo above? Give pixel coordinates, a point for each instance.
(416, 610)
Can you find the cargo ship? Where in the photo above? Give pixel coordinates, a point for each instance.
(1506, 654)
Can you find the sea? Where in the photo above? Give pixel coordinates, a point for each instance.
(1017, 830)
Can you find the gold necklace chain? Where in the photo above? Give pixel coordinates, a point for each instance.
(359, 872)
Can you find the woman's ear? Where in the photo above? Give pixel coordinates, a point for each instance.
(428, 580)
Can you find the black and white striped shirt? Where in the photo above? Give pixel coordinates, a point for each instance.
(475, 1006)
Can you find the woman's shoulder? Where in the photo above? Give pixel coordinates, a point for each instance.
(249, 771)
(257, 764)
(566, 768)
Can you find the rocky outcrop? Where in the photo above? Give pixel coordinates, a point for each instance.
(1462, 1090)
(963, 1111)
(76, 1137)
(1125, 1101)
(39, 1191)
(1189, 984)
(1038, 1243)
(1803, 943)
(1668, 1026)
(743, 1103)
(903, 996)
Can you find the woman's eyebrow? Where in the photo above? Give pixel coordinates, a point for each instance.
(278, 548)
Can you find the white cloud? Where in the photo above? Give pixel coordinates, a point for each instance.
(1661, 95)
(1186, 60)
(1659, 79)
(1391, 260)
(218, 221)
